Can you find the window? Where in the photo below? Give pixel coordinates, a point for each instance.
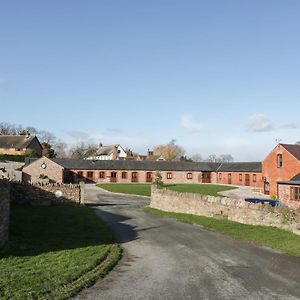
(220, 176)
(241, 177)
(90, 174)
(80, 173)
(254, 178)
(169, 175)
(279, 160)
(295, 193)
(124, 175)
(189, 175)
(102, 174)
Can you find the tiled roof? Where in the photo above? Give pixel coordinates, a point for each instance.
(241, 167)
(134, 165)
(293, 149)
(294, 181)
(15, 141)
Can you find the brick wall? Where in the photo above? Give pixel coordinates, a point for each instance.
(232, 209)
(32, 172)
(284, 194)
(177, 176)
(222, 178)
(289, 169)
(46, 194)
(4, 212)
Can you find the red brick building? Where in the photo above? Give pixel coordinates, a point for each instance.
(120, 171)
(240, 173)
(278, 174)
(281, 169)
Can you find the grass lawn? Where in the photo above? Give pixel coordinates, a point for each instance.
(54, 252)
(262, 235)
(204, 189)
(145, 189)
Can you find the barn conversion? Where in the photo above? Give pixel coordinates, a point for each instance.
(278, 174)
(122, 171)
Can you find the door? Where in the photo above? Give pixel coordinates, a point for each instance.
(113, 177)
(247, 179)
(229, 178)
(134, 177)
(267, 188)
(149, 177)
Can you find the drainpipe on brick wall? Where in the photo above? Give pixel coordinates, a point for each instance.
(218, 172)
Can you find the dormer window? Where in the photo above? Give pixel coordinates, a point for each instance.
(279, 161)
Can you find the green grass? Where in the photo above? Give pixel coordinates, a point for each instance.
(261, 235)
(15, 158)
(54, 252)
(204, 189)
(145, 189)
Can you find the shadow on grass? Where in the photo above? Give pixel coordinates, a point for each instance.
(36, 230)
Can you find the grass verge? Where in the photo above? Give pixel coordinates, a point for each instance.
(261, 235)
(145, 189)
(54, 252)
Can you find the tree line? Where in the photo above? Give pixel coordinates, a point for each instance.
(54, 147)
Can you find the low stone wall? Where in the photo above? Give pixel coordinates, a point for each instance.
(4, 212)
(236, 210)
(46, 194)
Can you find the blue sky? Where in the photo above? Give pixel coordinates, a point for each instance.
(217, 76)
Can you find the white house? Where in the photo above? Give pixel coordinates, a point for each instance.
(108, 153)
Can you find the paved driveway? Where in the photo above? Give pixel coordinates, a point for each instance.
(167, 259)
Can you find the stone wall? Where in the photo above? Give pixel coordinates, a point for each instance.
(284, 194)
(4, 212)
(236, 210)
(46, 194)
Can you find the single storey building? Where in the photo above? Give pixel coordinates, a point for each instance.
(122, 171)
(240, 173)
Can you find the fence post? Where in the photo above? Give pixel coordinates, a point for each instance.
(82, 192)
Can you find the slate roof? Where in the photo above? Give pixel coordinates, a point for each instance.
(251, 167)
(15, 141)
(105, 150)
(134, 165)
(294, 180)
(293, 149)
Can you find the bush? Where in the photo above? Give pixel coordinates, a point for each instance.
(158, 179)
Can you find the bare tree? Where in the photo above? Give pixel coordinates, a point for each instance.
(83, 150)
(226, 158)
(197, 158)
(213, 158)
(46, 137)
(60, 149)
(220, 158)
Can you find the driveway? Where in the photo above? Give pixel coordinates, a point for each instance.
(167, 259)
(242, 192)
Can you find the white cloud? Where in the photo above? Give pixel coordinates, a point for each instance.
(188, 122)
(260, 123)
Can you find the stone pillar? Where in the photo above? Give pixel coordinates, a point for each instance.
(82, 192)
(4, 213)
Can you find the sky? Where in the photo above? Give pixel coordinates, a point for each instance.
(217, 76)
